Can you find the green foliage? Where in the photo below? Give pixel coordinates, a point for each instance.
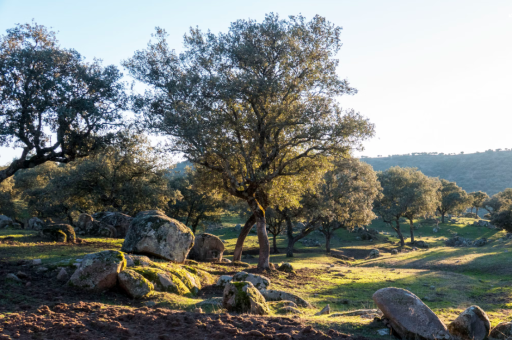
(454, 200)
(7, 197)
(53, 105)
(478, 198)
(193, 200)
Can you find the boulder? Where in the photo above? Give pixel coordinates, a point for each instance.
(421, 244)
(98, 271)
(394, 251)
(325, 310)
(243, 297)
(88, 226)
(223, 280)
(259, 281)
(238, 228)
(408, 316)
(153, 233)
(5, 222)
(207, 248)
(480, 242)
(59, 233)
(35, 224)
(134, 284)
(63, 275)
(137, 260)
(121, 222)
(163, 280)
(503, 331)
(472, 324)
(12, 277)
(278, 295)
(374, 253)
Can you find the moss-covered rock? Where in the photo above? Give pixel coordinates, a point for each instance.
(119, 221)
(154, 233)
(59, 233)
(472, 324)
(88, 226)
(134, 284)
(163, 280)
(207, 248)
(98, 271)
(259, 281)
(243, 297)
(286, 267)
(138, 261)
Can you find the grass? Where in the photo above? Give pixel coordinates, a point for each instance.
(447, 279)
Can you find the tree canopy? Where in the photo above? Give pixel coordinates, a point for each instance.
(53, 105)
(453, 199)
(253, 104)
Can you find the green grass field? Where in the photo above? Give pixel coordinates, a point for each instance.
(447, 279)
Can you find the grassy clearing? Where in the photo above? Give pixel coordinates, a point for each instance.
(447, 279)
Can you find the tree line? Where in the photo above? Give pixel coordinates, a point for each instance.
(255, 110)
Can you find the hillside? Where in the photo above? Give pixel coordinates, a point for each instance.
(488, 171)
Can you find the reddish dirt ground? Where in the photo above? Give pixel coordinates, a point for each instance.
(84, 321)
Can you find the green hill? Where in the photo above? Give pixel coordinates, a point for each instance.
(489, 171)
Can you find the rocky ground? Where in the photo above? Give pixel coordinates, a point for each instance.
(84, 320)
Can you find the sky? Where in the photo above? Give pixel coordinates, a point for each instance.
(432, 75)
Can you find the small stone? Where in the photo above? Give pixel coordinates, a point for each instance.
(226, 260)
(383, 331)
(290, 310)
(286, 267)
(325, 310)
(394, 251)
(198, 310)
(22, 275)
(12, 277)
(28, 284)
(63, 275)
(150, 304)
(223, 280)
(432, 287)
(41, 269)
(36, 262)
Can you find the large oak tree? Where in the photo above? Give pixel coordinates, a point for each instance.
(254, 104)
(53, 105)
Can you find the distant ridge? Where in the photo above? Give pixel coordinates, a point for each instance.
(489, 171)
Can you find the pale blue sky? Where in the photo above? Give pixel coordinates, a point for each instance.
(433, 75)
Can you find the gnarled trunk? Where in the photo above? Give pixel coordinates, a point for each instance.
(274, 236)
(237, 255)
(291, 239)
(399, 232)
(327, 242)
(411, 224)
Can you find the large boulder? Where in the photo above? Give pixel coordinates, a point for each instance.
(472, 324)
(278, 295)
(259, 281)
(154, 233)
(59, 233)
(134, 284)
(119, 221)
(503, 331)
(137, 261)
(243, 297)
(88, 226)
(35, 224)
(408, 316)
(207, 248)
(5, 222)
(98, 271)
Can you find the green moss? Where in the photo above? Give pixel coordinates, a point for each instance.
(178, 287)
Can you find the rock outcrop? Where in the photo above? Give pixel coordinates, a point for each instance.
(207, 248)
(503, 331)
(153, 233)
(278, 295)
(408, 316)
(259, 281)
(5, 222)
(119, 221)
(59, 233)
(98, 271)
(472, 324)
(134, 284)
(243, 297)
(88, 226)
(35, 224)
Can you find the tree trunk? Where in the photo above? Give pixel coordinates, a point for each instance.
(476, 211)
(411, 224)
(275, 244)
(237, 255)
(442, 217)
(327, 242)
(259, 213)
(291, 240)
(472, 209)
(399, 232)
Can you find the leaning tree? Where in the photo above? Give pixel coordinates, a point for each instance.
(53, 105)
(253, 104)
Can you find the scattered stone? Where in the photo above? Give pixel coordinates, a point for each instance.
(472, 324)
(36, 262)
(28, 284)
(259, 281)
(134, 284)
(289, 310)
(238, 228)
(374, 253)
(198, 310)
(226, 260)
(22, 275)
(503, 331)
(394, 251)
(459, 241)
(247, 256)
(207, 248)
(223, 280)
(5, 222)
(89, 226)
(421, 244)
(286, 267)
(150, 304)
(383, 331)
(62, 275)
(481, 242)
(137, 261)
(119, 221)
(41, 269)
(59, 233)
(98, 271)
(12, 277)
(277, 295)
(325, 310)
(309, 242)
(408, 316)
(35, 224)
(214, 301)
(435, 230)
(153, 233)
(243, 297)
